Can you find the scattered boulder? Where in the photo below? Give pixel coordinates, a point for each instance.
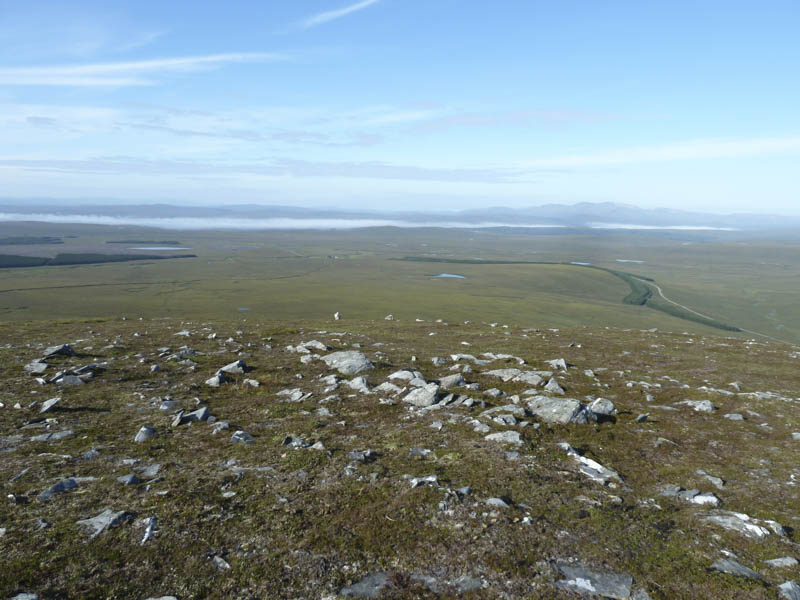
(105, 520)
(61, 350)
(144, 434)
(583, 581)
(742, 523)
(65, 485)
(505, 437)
(783, 562)
(241, 437)
(370, 586)
(558, 410)
(36, 367)
(553, 387)
(789, 590)
(456, 380)
(699, 405)
(235, 368)
(591, 468)
(732, 567)
(348, 362)
(218, 379)
(424, 396)
(48, 404)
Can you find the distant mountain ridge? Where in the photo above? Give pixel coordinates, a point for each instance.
(581, 215)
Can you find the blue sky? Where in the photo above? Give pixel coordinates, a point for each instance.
(403, 104)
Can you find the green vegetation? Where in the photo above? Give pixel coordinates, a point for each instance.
(29, 240)
(9, 261)
(93, 259)
(640, 292)
(302, 523)
(747, 284)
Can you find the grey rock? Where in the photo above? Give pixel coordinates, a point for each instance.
(70, 381)
(558, 410)
(505, 437)
(789, 590)
(105, 520)
(150, 471)
(241, 437)
(716, 481)
(591, 468)
(404, 375)
(796, 436)
(450, 381)
(129, 479)
(603, 407)
(65, 485)
(431, 480)
(424, 396)
(783, 562)
(553, 387)
(61, 350)
(164, 598)
(512, 409)
(359, 384)
(53, 437)
(370, 586)
(25, 596)
(733, 417)
(144, 434)
(295, 442)
(254, 383)
(558, 363)
(235, 368)
(467, 583)
(496, 503)
(739, 522)
(642, 418)
(699, 405)
(217, 380)
(584, 581)
(48, 404)
(36, 367)
(731, 567)
(348, 362)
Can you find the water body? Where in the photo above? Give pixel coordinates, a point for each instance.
(243, 308)
(582, 264)
(160, 248)
(449, 276)
(630, 260)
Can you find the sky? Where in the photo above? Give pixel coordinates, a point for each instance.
(403, 104)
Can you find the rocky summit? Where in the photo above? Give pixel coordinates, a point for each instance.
(373, 459)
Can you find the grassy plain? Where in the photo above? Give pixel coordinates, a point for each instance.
(747, 283)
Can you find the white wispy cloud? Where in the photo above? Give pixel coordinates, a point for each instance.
(705, 149)
(332, 15)
(131, 73)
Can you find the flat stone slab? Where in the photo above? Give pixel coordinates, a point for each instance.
(731, 567)
(105, 520)
(370, 586)
(348, 362)
(607, 585)
(790, 590)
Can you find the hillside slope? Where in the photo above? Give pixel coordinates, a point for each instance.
(469, 462)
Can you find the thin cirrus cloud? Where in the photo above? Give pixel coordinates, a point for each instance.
(278, 167)
(332, 15)
(689, 150)
(131, 73)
